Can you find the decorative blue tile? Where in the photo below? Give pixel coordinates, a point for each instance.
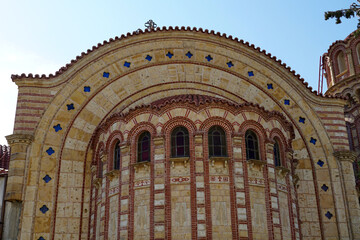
(324, 187)
(50, 151)
(270, 86)
(87, 89)
(328, 215)
(148, 57)
(70, 106)
(230, 64)
(313, 141)
(169, 55)
(250, 73)
(41, 238)
(189, 54)
(287, 102)
(127, 64)
(57, 127)
(47, 178)
(209, 58)
(106, 75)
(301, 120)
(320, 163)
(44, 209)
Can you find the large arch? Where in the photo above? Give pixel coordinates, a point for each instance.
(139, 69)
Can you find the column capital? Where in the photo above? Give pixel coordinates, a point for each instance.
(345, 155)
(159, 140)
(19, 139)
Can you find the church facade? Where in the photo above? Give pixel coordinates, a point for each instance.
(178, 133)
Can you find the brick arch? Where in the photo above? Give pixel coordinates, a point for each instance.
(225, 125)
(259, 131)
(285, 144)
(75, 79)
(178, 121)
(110, 146)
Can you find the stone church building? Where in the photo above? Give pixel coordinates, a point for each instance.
(180, 133)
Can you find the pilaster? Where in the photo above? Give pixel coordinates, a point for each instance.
(346, 159)
(19, 145)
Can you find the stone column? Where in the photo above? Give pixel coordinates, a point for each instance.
(124, 191)
(159, 188)
(332, 75)
(240, 188)
(350, 61)
(19, 144)
(346, 159)
(274, 222)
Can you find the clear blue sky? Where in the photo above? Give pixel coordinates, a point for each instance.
(42, 36)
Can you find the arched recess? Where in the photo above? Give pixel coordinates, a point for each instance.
(254, 77)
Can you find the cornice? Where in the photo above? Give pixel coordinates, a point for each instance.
(170, 29)
(19, 138)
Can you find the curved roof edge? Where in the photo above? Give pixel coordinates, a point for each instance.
(197, 100)
(170, 28)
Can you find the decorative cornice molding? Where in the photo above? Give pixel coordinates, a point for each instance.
(345, 155)
(19, 139)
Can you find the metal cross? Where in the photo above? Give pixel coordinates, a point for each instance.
(150, 24)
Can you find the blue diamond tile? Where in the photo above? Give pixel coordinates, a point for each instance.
(328, 215)
(313, 141)
(50, 151)
(189, 54)
(209, 58)
(169, 55)
(87, 89)
(44, 209)
(301, 120)
(106, 75)
(57, 127)
(127, 64)
(70, 106)
(41, 238)
(287, 102)
(47, 178)
(270, 86)
(250, 73)
(148, 57)
(324, 187)
(230, 64)
(320, 163)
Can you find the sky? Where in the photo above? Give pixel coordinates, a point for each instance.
(40, 37)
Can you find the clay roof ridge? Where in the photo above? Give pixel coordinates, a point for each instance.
(170, 28)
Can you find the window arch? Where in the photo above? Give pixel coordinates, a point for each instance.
(341, 62)
(116, 159)
(252, 145)
(217, 142)
(358, 52)
(144, 147)
(277, 154)
(180, 142)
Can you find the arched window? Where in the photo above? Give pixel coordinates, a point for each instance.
(116, 163)
(180, 142)
(252, 145)
(341, 62)
(277, 155)
(217, 142)
(144, 147)
(358, 52)
(100, 168)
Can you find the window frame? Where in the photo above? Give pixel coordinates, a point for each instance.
(256, 148)
(140, 150)
(116, 156)
(174, 147)
(212, 145)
